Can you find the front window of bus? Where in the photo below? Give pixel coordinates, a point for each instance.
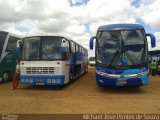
(51, 48)
(44, 48)
(121, 48)
(31, 49)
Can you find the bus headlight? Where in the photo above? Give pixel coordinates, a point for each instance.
(49, 81)
(143, 73)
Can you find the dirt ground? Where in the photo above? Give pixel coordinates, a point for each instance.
(80, 97)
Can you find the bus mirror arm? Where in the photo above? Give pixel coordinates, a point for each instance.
(19, 42)
(91, 42)
(153, 39)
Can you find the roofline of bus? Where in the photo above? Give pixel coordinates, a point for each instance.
(12, 34)
(55, 36)
(113, 27)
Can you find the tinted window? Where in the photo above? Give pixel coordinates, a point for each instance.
(12, 43)
(73, 46)
(3, 36)
(121, 48)
(51, 48)
(31, 48)
(77, 48)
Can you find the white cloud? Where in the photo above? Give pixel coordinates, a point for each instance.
(157, 36)
(46, 17)
(150, 13)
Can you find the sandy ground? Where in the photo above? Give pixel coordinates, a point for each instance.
(80, 97)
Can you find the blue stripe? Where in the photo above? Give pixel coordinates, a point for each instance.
(44, 79)
(120, 26)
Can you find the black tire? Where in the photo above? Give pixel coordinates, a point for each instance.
(6, 77)
(101, 86)
(137, 87)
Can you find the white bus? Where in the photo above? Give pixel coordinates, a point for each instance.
(8, 55)
(92, 61)
(51, 60)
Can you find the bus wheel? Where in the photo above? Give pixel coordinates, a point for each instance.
(137, 86)
(6, 76)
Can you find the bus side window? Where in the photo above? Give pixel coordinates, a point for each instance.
(12, 43)
(80, 49)
(77, 48)
(73, 47)
(66, 54)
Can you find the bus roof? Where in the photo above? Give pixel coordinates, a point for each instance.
(3, 32)
(119, 27)
(11, 34)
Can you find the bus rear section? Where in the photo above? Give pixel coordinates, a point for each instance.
(122, 55)
(50, 60)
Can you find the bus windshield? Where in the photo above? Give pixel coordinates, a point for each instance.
(92, 59)
(42, 48)
(121, 48)
(3, 36)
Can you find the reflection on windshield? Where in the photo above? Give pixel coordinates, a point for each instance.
(31, 48)
(121, 48)
(108, 43)
(51, 49)
(42, 48)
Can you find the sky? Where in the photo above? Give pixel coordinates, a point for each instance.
(77, 19)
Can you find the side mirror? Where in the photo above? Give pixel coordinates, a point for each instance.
(64, 46)
(153, 39)
(19, 45)
(91, 42)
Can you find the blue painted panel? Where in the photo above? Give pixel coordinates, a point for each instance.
(73, 59)
(79, 56)
(42, 80)
(120, 26)
(105, 81)
(63, 49)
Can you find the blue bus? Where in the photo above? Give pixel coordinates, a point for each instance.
(121, 55)
(51, 60)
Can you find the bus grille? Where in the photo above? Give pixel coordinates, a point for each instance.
(39, 70)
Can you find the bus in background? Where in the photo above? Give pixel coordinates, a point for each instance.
(92, 61)
(8, 55)
(121, 55)
(51, 60)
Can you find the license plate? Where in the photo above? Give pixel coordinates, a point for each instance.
(39, 82)
(122, 82)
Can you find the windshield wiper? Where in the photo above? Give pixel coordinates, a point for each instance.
(117, 52)
(128, 55)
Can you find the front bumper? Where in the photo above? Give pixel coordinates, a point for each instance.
(42, 80)
(105, 79)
